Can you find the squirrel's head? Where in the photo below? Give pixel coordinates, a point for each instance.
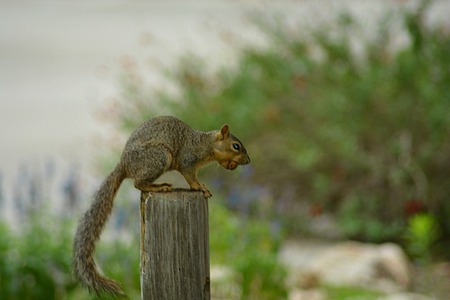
(229, 150)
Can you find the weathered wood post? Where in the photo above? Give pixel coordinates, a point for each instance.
(174, 246)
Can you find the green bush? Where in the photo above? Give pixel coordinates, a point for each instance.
(421, 234)
(250, 248)
(36, 260)
(36, 263)
(360, 134)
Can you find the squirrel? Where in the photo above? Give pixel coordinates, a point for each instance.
(159, 145)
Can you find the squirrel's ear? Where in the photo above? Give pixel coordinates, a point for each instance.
(224, 132)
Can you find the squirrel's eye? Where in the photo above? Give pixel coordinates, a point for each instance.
(236, 146)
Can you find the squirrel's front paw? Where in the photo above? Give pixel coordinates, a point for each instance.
(196, 186)
(205, 191)
(202, 187)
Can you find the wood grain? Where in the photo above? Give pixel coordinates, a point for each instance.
(174, 246)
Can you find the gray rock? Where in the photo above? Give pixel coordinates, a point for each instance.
(406, 296)
(380, 267)
(383, 268)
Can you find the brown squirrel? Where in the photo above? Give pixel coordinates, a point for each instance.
(160, 144)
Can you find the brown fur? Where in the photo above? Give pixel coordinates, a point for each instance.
(158, 145)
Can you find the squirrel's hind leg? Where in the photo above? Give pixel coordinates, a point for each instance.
(149, 163)
(152, 187)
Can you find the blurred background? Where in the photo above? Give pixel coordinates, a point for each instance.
(343, 107)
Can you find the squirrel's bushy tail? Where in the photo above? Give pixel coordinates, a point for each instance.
(88, 233)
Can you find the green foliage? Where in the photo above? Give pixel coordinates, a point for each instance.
(421, 234)
(35, 264)
(358, 218)
(349, 293)
(331, 125)
(250, 248)
(36, 261)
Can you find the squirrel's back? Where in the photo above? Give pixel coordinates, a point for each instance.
(171, 133)
(163, 129)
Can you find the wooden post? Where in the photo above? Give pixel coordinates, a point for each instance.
(174, 246)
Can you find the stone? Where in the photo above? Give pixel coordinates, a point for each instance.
(383, 268)
(314, 294)
(406, 296)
